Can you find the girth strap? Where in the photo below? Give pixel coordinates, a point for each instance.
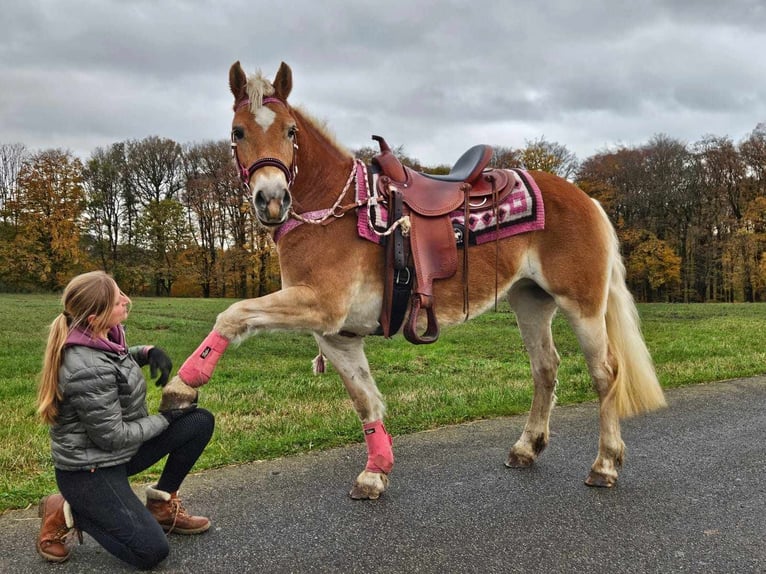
(398, 281)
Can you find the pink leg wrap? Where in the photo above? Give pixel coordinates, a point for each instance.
(198, 368)
(380, 456)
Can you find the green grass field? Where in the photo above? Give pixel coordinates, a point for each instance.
(268, 403)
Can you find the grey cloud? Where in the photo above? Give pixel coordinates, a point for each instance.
(437, 75)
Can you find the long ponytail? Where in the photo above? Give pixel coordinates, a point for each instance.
(87, 295)
(48, 395)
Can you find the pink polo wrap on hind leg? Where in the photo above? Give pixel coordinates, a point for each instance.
(198, 368)
(380, 456)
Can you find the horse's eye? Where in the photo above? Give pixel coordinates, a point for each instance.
(238, 133)
(291, 131)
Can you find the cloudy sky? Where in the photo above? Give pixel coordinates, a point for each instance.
(433, 76)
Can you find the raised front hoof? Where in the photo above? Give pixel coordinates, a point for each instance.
(369, 485)
(517, 460)
(177, 395)
(600, 480)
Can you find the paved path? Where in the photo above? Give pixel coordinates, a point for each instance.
(691, 499)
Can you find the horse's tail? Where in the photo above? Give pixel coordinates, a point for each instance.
(636, 388)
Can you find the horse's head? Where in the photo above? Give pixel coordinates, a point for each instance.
(264, 140)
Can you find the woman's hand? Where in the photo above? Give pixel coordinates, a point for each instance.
(159, 363)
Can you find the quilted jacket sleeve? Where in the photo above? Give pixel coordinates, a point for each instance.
(94, 394)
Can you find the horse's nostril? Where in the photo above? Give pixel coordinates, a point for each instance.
(260, 201)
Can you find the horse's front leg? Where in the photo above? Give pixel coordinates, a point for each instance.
(346, 353)
(293, 308)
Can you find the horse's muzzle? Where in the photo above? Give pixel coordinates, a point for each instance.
(272, 207)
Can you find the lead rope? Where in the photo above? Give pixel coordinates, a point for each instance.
(332, 212)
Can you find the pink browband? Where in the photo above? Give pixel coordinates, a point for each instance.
(267, 100)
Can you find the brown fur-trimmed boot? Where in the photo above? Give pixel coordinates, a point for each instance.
(166, 507)
(55, 541)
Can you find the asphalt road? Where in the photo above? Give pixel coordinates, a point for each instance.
(690, 498)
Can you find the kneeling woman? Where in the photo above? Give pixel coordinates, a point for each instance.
(93, 396)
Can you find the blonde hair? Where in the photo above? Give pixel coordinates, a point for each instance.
(88, 295)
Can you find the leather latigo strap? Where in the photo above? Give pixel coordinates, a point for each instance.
(398, 281)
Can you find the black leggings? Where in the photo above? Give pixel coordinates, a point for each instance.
(105, 506)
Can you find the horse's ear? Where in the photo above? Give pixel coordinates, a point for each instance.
(283, 82)
(237, 82)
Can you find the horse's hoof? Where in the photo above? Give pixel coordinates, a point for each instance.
(516, 460)
(177, 395)
(363, 493)
(600, 480)
(369, 486)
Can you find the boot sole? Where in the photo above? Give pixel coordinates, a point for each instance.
(51, 557)
(177, 530)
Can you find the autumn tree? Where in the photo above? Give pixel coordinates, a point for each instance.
(649, 194)
(724, 197)
(251, 251)
(744, 255)
(610, 178)
(154, 181)
(506, 157)
(162, 230)
(45, 250)
(209, 188)
(12, 157)
(366, 154)
(753, 152)
(155, 168)
(652, 266)
(104, 179)
(673, 197)
(552, 157)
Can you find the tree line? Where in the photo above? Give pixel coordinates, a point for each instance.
(163, 218)
(173, 220)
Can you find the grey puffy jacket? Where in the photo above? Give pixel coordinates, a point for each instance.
(103, 418)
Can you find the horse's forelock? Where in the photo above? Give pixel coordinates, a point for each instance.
(257, 88)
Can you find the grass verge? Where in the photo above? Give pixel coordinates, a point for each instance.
(268, 403)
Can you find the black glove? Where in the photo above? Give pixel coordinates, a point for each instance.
(175, 414)
(159, 363)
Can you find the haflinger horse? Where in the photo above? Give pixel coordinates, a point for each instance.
(302, 185)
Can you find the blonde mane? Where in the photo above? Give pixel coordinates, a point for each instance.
(258, 88)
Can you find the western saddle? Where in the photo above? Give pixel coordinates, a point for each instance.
(427, 249)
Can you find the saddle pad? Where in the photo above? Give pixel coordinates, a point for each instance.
(521, 211)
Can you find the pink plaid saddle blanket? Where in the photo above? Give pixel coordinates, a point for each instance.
(521, 211)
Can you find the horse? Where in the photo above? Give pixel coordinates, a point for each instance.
(299, 177)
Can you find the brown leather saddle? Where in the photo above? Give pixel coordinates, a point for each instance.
(428, 248)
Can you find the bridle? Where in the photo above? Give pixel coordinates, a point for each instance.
(245, 173)
(358, 172)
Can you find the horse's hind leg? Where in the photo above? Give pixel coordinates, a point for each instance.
(347, 356)
(534, 310)
(592, 336)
